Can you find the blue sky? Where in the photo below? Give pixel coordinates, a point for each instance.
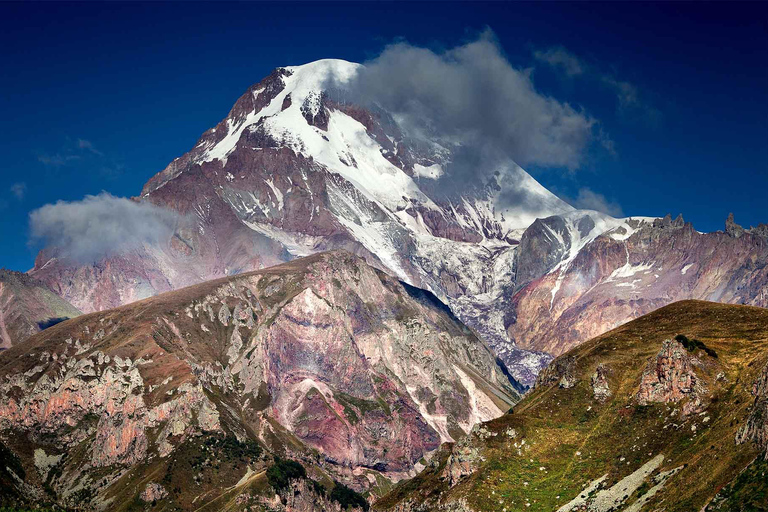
(102, 96)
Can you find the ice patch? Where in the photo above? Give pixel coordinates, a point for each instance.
(277, 192)
(432, 172)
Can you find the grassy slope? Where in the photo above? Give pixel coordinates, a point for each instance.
(557, 423)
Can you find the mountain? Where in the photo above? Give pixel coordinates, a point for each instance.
(626, 272)
(290, 172)
(27, 306)
(295, 169)
(667, 412)
(187, 396)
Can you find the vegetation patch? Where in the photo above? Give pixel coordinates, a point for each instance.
(283, 471)
(748, 491)
(692, 345)
(352, 405)
(347, 497)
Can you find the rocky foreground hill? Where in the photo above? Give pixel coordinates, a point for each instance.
(668, 412)
(295, 169)
(187, 400)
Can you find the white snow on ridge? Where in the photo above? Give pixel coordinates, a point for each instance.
(602, 224)
(618, 229)
(347, 149)
(277, 192)
(433, 172)
(627, 271)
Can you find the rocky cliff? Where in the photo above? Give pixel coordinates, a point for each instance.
(628, 271)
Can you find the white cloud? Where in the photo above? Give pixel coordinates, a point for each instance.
(19, 190)
(88, 146)
(560, 57)
(56, 160)
(472, 98)
(588, 199)
(98, 226)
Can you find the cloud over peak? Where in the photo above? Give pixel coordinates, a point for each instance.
(470, 97)
(588, 199)
(98, 226)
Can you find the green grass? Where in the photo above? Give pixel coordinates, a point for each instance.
(748, 492)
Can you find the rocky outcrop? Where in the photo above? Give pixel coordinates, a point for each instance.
(542, 246)
(74, 398)
(670, 377)
(464, 457)
(733, 229)
(153, 492)
(756, 427)
(561, 371)
(600, 387)
(302, 495)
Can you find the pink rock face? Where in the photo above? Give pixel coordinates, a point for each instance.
(326, 357)
(669, 377)
(76, 397)
(360, 372)
(153, 492)
(615, 279)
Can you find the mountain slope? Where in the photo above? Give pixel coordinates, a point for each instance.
(323, 359)
(631, 420)
(27, 306)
